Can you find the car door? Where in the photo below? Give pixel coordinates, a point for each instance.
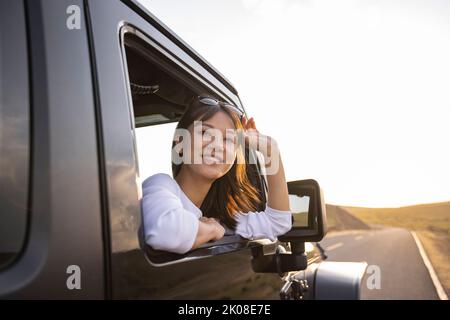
(132, 274)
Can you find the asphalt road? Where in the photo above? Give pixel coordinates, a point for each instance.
(394, 251)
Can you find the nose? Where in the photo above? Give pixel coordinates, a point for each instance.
(217, 150)
(214, 149)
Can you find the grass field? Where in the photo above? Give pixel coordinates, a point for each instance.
(430, 221)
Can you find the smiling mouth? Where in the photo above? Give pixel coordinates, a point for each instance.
(211, 160)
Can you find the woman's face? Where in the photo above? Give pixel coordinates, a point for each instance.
(213, 146)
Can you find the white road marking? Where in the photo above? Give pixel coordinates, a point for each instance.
(334, 246)
(332, 234)
(358, 237)
(437, 284)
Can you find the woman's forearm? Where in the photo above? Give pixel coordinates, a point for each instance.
(278, 196)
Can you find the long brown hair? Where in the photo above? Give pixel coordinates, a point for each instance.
(233, 192)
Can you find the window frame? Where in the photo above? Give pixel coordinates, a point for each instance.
(17, 41)
(183, 73)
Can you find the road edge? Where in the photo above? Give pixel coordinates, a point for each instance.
(437, 284)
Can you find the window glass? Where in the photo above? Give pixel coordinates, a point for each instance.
(154, 145)
(14, 130)
(160, 92)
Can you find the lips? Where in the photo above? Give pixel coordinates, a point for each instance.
(211, 160)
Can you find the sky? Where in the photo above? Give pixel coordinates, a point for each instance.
(357, 93)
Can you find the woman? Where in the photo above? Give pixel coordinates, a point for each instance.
(184, 212)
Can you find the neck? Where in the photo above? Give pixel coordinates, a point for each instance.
(195, 187)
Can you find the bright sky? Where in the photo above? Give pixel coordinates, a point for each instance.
(357, 93)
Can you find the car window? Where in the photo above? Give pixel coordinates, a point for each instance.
(14, 130)
(160, 93)
(159, 99)
(154, 154)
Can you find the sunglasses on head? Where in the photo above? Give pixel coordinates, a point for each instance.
(214, 102)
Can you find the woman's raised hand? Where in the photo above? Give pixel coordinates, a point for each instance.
(258, 141)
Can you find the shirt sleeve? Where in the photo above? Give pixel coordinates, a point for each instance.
(167, 225)
(269, 223)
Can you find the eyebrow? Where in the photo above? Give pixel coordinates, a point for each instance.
(208, 125)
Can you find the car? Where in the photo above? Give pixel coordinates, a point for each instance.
(83, 82)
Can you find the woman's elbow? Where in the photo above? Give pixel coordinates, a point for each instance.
(284, 227)
(171, 231)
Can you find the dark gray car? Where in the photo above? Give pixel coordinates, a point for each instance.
(78, 79)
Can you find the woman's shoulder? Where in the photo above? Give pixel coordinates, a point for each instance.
(160, 180)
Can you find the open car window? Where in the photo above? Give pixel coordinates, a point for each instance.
(160, 89)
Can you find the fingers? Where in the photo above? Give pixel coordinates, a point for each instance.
(244, 121)
(209, 220)
(248, 124)
(252, 123)
(220, 232)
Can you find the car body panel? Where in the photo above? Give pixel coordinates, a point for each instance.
(65, 226)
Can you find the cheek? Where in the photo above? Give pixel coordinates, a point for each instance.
(230, 157)
(219, 170)
(227, 167)
(197, 142)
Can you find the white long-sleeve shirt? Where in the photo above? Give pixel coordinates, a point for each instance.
(171, 219)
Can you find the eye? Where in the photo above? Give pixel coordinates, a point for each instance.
(207, 134)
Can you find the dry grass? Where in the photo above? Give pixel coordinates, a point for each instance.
(338, 218)
(430, 221)
(437, 247)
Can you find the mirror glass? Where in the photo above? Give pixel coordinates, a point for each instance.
(299, 208)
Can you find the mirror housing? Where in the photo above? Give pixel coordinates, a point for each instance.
(316, 228)
(309, 224)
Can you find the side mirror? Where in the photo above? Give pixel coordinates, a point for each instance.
(308, 211)
(310, 224)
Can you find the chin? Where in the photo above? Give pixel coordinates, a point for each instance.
(213, 171)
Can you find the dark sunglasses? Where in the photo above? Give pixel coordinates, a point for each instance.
(214, 102)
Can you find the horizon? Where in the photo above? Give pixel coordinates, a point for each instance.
(397, 207)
